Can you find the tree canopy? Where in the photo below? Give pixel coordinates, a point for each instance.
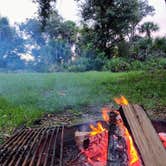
(111, 21)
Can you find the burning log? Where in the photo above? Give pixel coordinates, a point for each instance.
(108, 143)
(93, 146)
(82, 139)
(117, 149)
(145, 137)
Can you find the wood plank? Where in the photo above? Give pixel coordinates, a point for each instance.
(144, 135)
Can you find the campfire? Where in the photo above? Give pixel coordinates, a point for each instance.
(100, 150)
(125, 137)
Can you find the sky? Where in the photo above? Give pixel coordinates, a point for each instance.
(19, 10)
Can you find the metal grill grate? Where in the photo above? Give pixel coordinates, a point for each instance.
(34, 147)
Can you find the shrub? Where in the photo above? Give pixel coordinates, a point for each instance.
(160, 44)
(117, 65)
(86, 63)
(162, 63)
(137, 65)
(155, 63)
(79, 65)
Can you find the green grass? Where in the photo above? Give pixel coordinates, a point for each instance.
(25, 97)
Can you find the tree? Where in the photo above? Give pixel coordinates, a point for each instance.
(56, 27)
(45, 8)
(11, 44)
(160, 45)
(148, 28)
(53, 45)
(143, 10)
(69, 31)
(111, 20)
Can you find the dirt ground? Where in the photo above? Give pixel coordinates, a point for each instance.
(87, 114)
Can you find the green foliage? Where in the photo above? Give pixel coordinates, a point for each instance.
(13, 116)
(160, 45)
(124, 64)
(11, 45)
(148, 28)
(136, 65)
(117, 65)
(55, 51)
(142, 49)
(45, 8)
(123, 49)
(25, 97)
(108, 22)
(52, 46)
(155, 63)
(81, 64)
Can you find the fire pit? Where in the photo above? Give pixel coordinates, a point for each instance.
(112, 142)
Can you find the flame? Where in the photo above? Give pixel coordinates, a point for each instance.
(132, 153)
(105, 115)
(96, 130)
(121, 101)
(102, 133)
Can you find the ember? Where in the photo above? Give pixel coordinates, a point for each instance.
(110, 142)
(98, 148)
(163, 138)
(96, 152)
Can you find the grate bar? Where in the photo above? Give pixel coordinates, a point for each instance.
(21, 148)
(49, 147)
(37, 148)
(61, 149)
(11, 143)
(28, 146)
(13, 151)
(54, 148)
(7, 149)
(25, 161)
(11, 139)
(43, 148)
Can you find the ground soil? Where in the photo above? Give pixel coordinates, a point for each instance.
(87, 114)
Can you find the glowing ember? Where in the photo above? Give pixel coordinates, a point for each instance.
(96, 130)
(163, 138)
(121, 101)
(96, 153)
(97, 150)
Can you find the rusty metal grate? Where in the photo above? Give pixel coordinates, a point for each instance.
(34, 147)
(53, 146)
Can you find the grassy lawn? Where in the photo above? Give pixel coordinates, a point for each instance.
(26, 97)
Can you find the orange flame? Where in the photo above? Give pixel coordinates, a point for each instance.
(133, 155)
(121, 101)
(96, 130)
(105, 115)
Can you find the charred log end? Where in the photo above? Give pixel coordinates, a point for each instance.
(117, 149)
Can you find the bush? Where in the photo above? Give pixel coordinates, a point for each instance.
(162, 63)
(160, 44)
(122, 64)
(79, 65)
(117, 65)
(82, 64)
(137, 65)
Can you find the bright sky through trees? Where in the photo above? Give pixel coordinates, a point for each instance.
(19, 10)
